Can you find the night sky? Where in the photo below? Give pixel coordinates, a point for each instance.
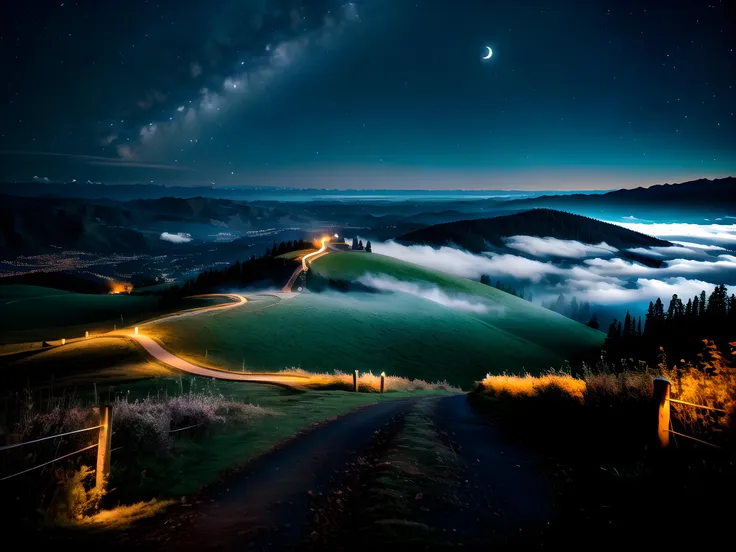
(369, 94)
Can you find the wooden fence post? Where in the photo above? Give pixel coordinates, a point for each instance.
(355, 381)
(104, 445)
(662, 401)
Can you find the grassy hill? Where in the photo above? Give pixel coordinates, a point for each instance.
(561, 336)
(400, 334)
(481, 235)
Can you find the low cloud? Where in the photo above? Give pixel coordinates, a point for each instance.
(707, 234)
(552, 247)
(180, 237)
(466, 265)
(431, 293)
(641, 290)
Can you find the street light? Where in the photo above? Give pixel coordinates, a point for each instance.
(136, 330)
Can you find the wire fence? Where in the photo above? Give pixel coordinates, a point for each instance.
(105, 450)
(664, 427)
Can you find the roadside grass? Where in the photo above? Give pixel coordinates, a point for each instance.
(368, 382)
(322, 332)
(35, 314)
(518, 318)
(595, 436)
(398, 490)
(234, 422)
(203, 457)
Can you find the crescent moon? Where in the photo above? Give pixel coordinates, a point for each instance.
(490, 53)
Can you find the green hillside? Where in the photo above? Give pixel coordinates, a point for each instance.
(560, 335)
(404, 336)
(401, 334)
(35, 313)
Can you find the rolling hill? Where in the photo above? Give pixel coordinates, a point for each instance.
(480, 235)
(562, 338)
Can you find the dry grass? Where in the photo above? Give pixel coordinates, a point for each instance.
(367, 382)
(711, 382)
(123, 517)
(531, 386)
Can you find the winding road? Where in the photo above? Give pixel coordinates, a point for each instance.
(157, 351)
(304, 266)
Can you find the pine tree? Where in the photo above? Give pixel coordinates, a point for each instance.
(593, 323)
(354, 247)
(360, 245)
(649, 323)
(485, 279)
(369, 249)
(638, 329)
(701, 311)
(628, 330)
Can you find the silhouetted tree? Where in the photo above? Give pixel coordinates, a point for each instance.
(368, 247)
(485, 279)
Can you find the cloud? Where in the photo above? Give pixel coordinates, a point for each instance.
(600, 280)
(708, 234)
(467, 265)
(552, 247)
(109, 139)
(195, 69)
(431, 293)
(180, 237)
(642, 290)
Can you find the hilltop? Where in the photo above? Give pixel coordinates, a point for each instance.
(481, 235)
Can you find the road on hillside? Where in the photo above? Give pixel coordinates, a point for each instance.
(154, 349)
(303, 267)
(157, 351)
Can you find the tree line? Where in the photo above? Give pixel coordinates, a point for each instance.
(574, 309)
(679, 329)
(267, 269)
(358, 246)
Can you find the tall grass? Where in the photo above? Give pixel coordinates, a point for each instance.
(621, 403)
(142, 430)
(368, 382)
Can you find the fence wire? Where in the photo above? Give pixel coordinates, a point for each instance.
(47, 463)
(16, 445)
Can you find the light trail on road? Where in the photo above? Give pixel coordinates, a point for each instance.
(305, 267)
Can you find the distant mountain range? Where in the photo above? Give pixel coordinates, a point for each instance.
(482, 235)
(702, 195)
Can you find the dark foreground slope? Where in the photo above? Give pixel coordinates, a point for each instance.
(481, 235)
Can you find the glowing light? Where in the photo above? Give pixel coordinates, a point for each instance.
(86, 335)
(318, 252)
(136, 330)
(63, 341)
